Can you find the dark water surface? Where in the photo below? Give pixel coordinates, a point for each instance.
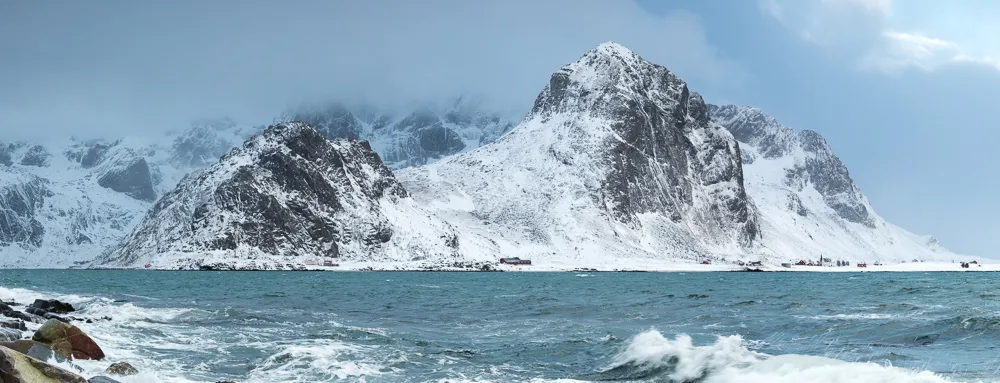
(516, 327)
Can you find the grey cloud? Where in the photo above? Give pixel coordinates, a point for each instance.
(116, 67)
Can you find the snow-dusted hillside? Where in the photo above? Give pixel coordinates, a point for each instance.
(287, 196)
(66, 201)
(617, 160)
(807, 203)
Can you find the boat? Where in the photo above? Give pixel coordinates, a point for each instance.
(515, 261)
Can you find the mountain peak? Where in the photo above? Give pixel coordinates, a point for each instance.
(612, 48)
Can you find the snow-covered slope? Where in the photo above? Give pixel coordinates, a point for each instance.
(84, 196)
(616, 160)
(807, 203)
(287, 196)
(65, 201)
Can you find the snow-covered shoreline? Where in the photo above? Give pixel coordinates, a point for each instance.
(648, 266)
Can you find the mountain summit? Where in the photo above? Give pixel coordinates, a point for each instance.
(617, 158)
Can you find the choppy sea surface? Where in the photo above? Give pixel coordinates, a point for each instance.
(533, 327)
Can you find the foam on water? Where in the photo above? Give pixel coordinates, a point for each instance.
(651, 355)
(302, 342)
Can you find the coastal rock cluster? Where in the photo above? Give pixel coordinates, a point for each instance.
(24, 359)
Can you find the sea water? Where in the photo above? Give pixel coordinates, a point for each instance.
(533, 327)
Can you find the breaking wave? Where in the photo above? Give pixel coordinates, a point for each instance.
(650, 356)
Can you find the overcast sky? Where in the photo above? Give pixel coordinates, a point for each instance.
(904, 91)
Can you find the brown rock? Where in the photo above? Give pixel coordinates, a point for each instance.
(68, 340)
(121, 368)
(16, 367)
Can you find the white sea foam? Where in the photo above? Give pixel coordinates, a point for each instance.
(728, 360)
(152, 338)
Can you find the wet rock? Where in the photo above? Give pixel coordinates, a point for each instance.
(22, 316)
(101, 379)
(16, 367)
(68, 340)
(9, 334)
(33, 349)
(14, 324)
(53, 306)
(121, 368)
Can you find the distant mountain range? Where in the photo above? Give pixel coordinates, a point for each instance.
(618, 161)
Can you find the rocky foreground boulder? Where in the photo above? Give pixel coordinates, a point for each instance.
(68, 340)
(16, 367)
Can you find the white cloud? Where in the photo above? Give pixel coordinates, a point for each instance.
(865, 30)
(899, 51)
(881, 7)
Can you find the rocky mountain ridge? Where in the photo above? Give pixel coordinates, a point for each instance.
(617, 159)
(809, 205)
(287, 195)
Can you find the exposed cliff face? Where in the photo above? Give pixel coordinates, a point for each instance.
(21, 198)
(420, 137)
(817, 165)
(616, 158)
(809, 205)
(288, 194)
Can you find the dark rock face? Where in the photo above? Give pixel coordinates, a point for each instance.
(333, 121)
(90, 154)
(795, 204)
(13, 324)
(19, 204)
(820, 166)
(199, 146)
(53, 306)
(6, 151)
(420, 138)
(656, 162)
(132, 179)
(417, 138)
(36, 156)
(287, 191)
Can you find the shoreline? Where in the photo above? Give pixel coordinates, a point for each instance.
(920, 267)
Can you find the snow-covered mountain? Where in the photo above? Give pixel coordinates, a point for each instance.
(286, 196)
(808, 205)
(69, 200)
(616, 160)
